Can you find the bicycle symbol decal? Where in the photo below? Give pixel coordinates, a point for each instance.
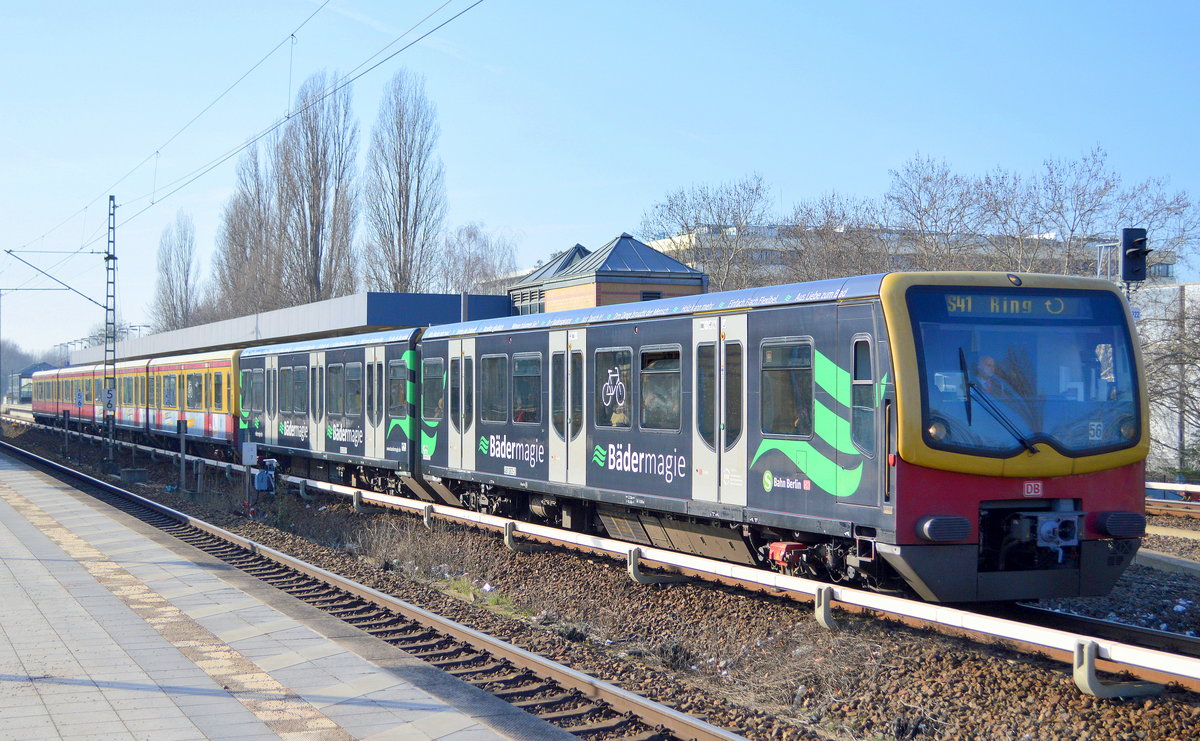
(614, 389)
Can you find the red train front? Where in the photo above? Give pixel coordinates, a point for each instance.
(1022, 427)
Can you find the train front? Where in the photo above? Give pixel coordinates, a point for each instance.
(1021, 435)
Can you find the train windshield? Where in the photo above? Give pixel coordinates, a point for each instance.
(1002, 371)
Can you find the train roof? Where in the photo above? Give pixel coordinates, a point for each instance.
(791, 293)
(331, 343)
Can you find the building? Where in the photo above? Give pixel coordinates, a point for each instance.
(621, 271)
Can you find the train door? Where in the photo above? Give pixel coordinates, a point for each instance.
(376, 435)
(271, 416)
(568, 445)
(316, 401)
(460, 379)
(719, 391)
(857, 457)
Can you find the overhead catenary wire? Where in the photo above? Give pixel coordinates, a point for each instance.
(361, 70)
(186, 180)
(154, 155)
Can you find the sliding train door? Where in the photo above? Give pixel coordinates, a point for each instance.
(568, 444)
(460, 378)
(719, 392)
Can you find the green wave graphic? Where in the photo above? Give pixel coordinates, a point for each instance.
(830, 377)
(825, 473)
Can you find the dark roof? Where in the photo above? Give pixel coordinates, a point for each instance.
(626, 254)
(557, 265)
(794, 293)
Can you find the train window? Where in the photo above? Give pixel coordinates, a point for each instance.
(335, 389)
(612, 387)
(660, 389)
(397, 381)
(493, 388)
(468, 392)
(527, 388)
(433, 388)
(314, 387)
(455, 389)
(576, 393)
(245, 389)
(300, 389)
(787, 388)
(378, 392)
(218, 390)
(558, 392)
(371, 393)
(706, 393)
(285, 390)
(733, 393)
(168, 395)
(87, 393)
(257, 386)
(127, 390)
(862, 397)
(354, 389)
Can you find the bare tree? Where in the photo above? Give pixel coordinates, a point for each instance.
(1076, 197)
(314, 169)
(834, 237)
(1013, 224)
(722, 230)
(404, 193)
(246, 264)
(176, 292)
(935, 215)
(473, 260)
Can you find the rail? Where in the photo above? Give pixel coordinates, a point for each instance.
(655, 714)
(1110, 655)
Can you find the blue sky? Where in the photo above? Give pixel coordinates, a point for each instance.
(563, 121)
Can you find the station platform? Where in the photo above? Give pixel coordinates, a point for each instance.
(110, 629)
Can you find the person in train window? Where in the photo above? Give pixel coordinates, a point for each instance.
(989, 380)
(620, 418)
(526, 410)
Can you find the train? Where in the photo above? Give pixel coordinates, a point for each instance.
(958, 436)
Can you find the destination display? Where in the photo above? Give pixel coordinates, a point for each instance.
(985, 305)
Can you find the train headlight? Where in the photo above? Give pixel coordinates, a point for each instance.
(938, 431)
(1127, 429)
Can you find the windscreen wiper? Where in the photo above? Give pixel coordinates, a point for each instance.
(962, 364)
(990, 406)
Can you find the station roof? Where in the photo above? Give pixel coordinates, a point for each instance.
(348, 315)
(625, 258)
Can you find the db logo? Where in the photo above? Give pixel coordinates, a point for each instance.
(1033, 488)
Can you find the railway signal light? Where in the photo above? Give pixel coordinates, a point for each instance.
(1133, 254)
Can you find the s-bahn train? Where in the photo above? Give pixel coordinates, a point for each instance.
(960, 436)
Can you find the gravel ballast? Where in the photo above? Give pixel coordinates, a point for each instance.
(752, 662)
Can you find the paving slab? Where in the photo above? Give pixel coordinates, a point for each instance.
(112, 629)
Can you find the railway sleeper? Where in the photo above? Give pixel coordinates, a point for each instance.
(546, 703)
(529, 691)
(603, 726)
(516, 679)
(386, 624)
(461, 663)
(435, 656)
(375, 617)
(466, 673)
(424, 644)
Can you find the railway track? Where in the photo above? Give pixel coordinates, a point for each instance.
(580, 704)
(1175, 643)
(1173, 508)
(1032, 629)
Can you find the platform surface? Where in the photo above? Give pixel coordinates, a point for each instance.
(110, 629)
